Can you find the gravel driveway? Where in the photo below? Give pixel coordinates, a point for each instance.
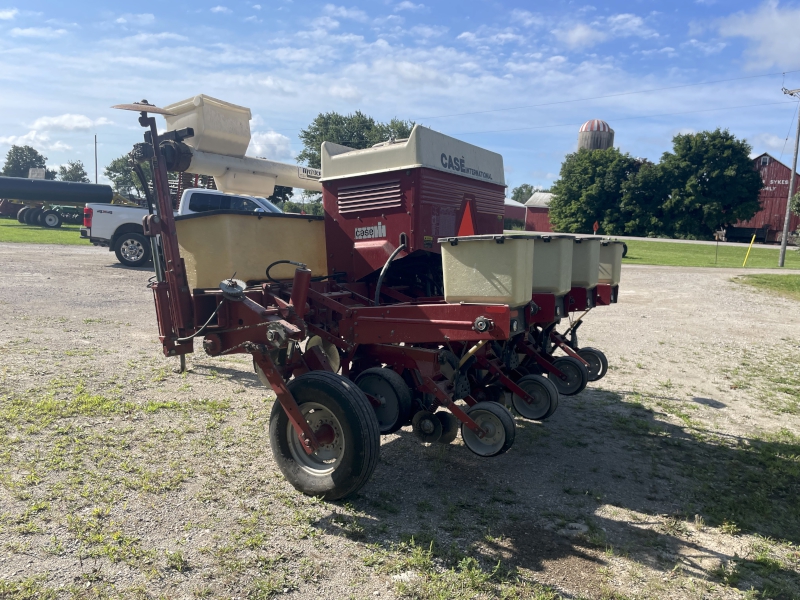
(676, 476)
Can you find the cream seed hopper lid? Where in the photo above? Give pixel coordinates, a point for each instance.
(423, 148)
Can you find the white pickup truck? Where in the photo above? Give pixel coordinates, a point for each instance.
(119, 228)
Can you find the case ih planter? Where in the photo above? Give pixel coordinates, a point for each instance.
(367, 298)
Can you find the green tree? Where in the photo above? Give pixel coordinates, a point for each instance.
(281, 195)
(73, 171)
(642, 203)
(21, 158)
(710, 181)
(123, 178)
(590, 189)
(522, 193)
(356, 130)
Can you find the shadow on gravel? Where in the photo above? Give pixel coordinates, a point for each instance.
(660, 487)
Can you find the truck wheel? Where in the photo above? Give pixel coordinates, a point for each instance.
(51, 219)
(346, 426)
(132, 249)
(21, 213)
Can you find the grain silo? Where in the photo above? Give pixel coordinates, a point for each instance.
(595, 135)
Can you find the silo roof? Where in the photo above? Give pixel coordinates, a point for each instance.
(595, 125)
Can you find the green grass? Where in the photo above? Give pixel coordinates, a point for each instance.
(785, 285)
(703, 255)
(12, 230)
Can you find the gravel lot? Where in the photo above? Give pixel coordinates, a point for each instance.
(674, 477)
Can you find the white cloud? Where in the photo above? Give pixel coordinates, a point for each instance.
(6, 14)
(354, 14)
(68, 122)
(428, 32)
(38, 32)
(485, 36)
(772, 32)
(271, 145)
(706, 48)
(141, 19)
(406, 5)
(36, 139)
(526, 18)
(585, 35)
(769, 142)
(253, 19)
(257, 6)
(580, 36)
(326, 23)
(221, 9)
(345, 91)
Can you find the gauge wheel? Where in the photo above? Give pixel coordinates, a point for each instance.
(51, 219)
(345, 425)
(498, 425)
(391, 391)
(427, 427)
(449, 426)
(132, 249)
(577, 375)
(598, 363)
(544, 398)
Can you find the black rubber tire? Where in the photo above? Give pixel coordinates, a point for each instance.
(427, 427)
(624, 249)
(449, 426)
(51, 219)
(397, 410)
(576, 372)
(359, 427)
(39, 218)
(21, 213)
(31, 215)
(505, 438)
(543, 390)
(128, 240)
(598, 363)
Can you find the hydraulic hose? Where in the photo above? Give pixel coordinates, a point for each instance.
(283, 262)
(383, 273)
(203, 328)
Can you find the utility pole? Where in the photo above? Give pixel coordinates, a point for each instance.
(785, 236)
(95, 158)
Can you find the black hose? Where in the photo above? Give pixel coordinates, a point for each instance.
(283, 262)
(203, 328)
(383, 272)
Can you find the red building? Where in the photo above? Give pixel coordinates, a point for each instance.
(774, 196)
(538, 217)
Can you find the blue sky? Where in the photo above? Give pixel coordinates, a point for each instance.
(470, 69)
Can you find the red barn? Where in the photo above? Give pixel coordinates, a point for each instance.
(774, 196)
(538, 216)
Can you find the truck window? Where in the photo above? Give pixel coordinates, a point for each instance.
(199, 202)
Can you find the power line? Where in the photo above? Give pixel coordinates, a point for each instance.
(789, 132)
(623, 118)
(672, 87)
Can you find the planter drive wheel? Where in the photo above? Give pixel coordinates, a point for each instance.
(576, 372)
(388, 388)
(132, 249)
(544, 394)
(21, 213)
(345, 424)
(498, 424)
(51, 219)
(598, 363)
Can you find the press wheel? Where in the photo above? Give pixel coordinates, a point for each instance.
(498, 424)
(544, 398)
(576, 373)
(392, 394)
(598, 363)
